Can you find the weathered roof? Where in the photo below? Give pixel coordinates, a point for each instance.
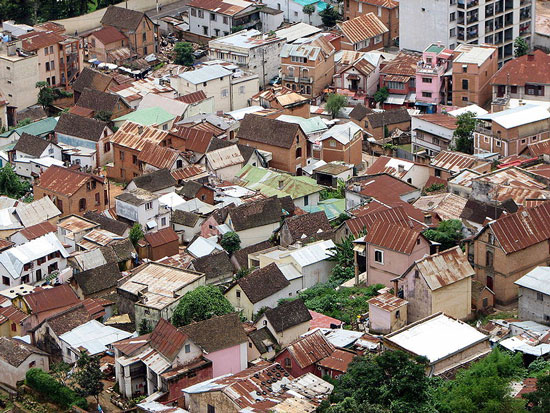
(224, 157)
(152, 116)
(343, 132)
(538, 279)
(193, 97)
(205, 73)
(155, 181)
(263, 283)
(256, 214)
(480, 212)
(15, 352)
(37, 211)
(185, 218)
(388, 117)
(404, 64)
(98, 100)
(387, 302)
(216, 333)
(453, 161)
(12, 313)
(31, 145)
(310, 349)
(440, 119)
(93, 336)
(167, 339)
(387, 4)
(445, 268)
(525, 69)
(359, 112)
(108, 35)
(85, 128)
(98, 279)
(161, 237)
(261, 338)
(188, 172)
(123, 249)
(242, 255)
(214, 265)
(307, 225)
(446, 205)
(37, 230)
(287, 315)
(38, 39)
(122, 18)
(64, 181)
(196, 140)
(539, 148)
(473, 54)
(51, 298)
(365, 26)
(393, 236)
(92, 79)
(134, 136)
(518, 116)
(268, 131)
(106, 223)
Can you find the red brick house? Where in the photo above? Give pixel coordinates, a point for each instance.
(399, 77)
(160, 244)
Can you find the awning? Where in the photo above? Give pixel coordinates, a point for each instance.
(353, 77)
(397, 78)
(394, 99)
(424, 104)
(359, 247)
(151, 224)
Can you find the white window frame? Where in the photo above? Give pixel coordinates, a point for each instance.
(381, 255)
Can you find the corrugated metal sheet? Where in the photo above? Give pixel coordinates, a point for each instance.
(540, 148)
(387, 301)
(188, 172)
(134, 136)
(64, 181)
(512, 176)
(445, 268)
(447, 206)
(453, 161)
(101, 237)
(224, 157)
(393, 236)
(310, 349)
(338, 360)
(158, 156)
(93, 336)
(313, 253)
(75, 223)
(537, 280)
(196, 140)
(365, 222)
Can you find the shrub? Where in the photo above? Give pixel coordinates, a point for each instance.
(51, 389)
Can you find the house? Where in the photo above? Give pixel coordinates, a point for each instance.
(453, 343)
(302, 227)
(342, 142)
(197, 103)
(432, 133)
(142, 207)
(281, 98)
(387, 12)
(72, 229)
(441, 282)
(399, 77)
(293, 13)
(188, 224)
(387, 313)
(413, 173)
(445, 205)
(286, 322)
(112, 225)
(473, 68)
(360, 74)
(196, 137)
(250, 49)
(448, 163)
(128, 143)
(432, 77)
(93, 79)
(225, 163)
(330, 174)
(483, 299)
(96, 102)
(314, 354)
(138, 28)
(217, 18)
(461, 183)
(364, 33)
(154, 116)
(522, 78)
(534, 295)
(92, 337)
(17, 357)
(216, 266)
(157, 182)
(174, 107)
(107, 45)
(152, 291)
(86, 134)
(307, 67)
(97, 282)
(43, 258)
(508, 132)
(42, 301)
(230, 90)
(72, 191)
(261, 288)
(189, 173)
(41, 128)
(380, 125)
(508, 248)
(33, 147)
(159, 244)
(12, 321)
(261, 344)
(37, 212)
(250, 155)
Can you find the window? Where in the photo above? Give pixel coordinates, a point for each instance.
(379, 256)
(514, 89)
(452, 32)
(288, 362)
(426, 94)
(238, 294)
(210, 409)
(134, 159)
(201, 13)
(107, 147)
(25, 279)
(52, 66)
(416, 274)
(188, 348)
(491, 239)
(5, 281)
(298, 152)
(225, 20)
(163, 222)
(224, 93)
(97, 199)
(38, 274)
(395, 85)
(523, 141)
(194, 12)
(144, 37)
(426, 80)
(306, 200)
(46, 50)
(497, 142)
(464, 84)
(464, 69)
(379, 11)
(295, 14)
(53, 80)
(121, 155)
(47, 66)
(465, 98)
(13, 327)
(485, 302)
(82, 204)
(540, 296)
(332, 143)
(452, 16)
(397, 314)
(489, 259)
(148, 205)
(377, 39)
(205, 30)
(212, 17)
(241, 90)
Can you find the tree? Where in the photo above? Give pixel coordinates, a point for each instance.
(88, 376)
(144, 327)
(391, 382)
(329, 16)
(335, 102)
(11, 185)
(521, 47)
(448, 233)
(136, 233)
(45, 95)
(463, 134)
(342, 252)
(381, 95)
(540, 398)
(201, 304)
(103, 115)
(309, 9)
(231, 242)
(183, 54)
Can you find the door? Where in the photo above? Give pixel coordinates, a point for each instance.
(490, 282)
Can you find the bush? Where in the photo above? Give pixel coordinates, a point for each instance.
(51, 389)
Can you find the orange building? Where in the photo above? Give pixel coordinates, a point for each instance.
(342, 142)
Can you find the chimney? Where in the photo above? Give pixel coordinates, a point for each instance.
(439, 43)
(530, 57)
(427, 219)
(140, 129)
(401, 168)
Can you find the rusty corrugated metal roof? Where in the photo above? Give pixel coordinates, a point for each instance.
(167, 339)
(393, 236)
(188, 172)
(134, 136)
(445, 268)
(539, 148)
(310, 349)
(51, 298)
(161, 157)
(453, 161)
(161, 237)
(196, 139)
(64, 181)
(387, 301)
(338, 360)
(366, 222)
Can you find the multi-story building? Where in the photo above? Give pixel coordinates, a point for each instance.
(386, 10)
(363, 33)
(308, 67)
(215, 18)
(510, 131)
(432, 83)
(399, 77)
(496, 22)
(432, 132)
(251, 50)
(473, 68)
(293, 10)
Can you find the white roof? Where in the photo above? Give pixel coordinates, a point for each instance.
(537, 279)
(172, 106)
(245, 39)
(343, 132)
(475, 109)
(195, 205)
(240, 113)
(88, 260)
(312, 166)
(224, 157)
(205, 74)
(516, 343)
(171, 200)
(289, 271)
(312, 253)
(37, 211)
(47, 161)
(204, 246)
(437, 337)
(338, 337)
(473, 54)
(14, 258)
(8, 220)
(297, 31)
(521, 115)
(93, 336)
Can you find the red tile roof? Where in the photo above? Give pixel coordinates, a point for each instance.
(161, 237)
(167, 339)
(319, 320)
(108, 35)
(363, 27)
(38, 230)
(522, 229)
(310, 349)
(51, 298)
(64, 181)
(195, 140)
(530, 68)
(192, 97)
(393, 236)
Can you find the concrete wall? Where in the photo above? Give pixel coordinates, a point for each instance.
(252, 236)
(11, 375)
(532, 307)
(292, 12)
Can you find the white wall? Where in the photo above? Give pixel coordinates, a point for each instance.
(293, 13)
(196, 23)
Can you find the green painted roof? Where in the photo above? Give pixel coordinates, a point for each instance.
(270, 183)
(310, 125)
(331, 207)
(434, 48)
(38, 128)
(148, 117)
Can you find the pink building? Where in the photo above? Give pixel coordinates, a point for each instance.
(432, 79)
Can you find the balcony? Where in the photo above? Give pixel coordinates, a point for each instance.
(525, 14)
(305, 80)
(423, 68)
(484, 130)
(472, 33)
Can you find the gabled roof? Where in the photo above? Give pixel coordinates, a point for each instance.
(155, 181)
(12, 313)
(479, 212)
(81, 127)
(288, 315)
(539, 148)
(263, 283)
(134, 136)
(98, 100)
(359, 112)
(106, 223)
(37, 230)
(365, 26)
(51, 298)
(15, 352)
(388, 117)
(444, 268)
(403, 65)
(310, 349)
(31, 145)
(365, 222)
(518, 116)
(152, 116)
(64, 181)
(214, 265)
(453, 161)
(37, 211)
(196, 140)
(185, 218)
(393, 236)
(92, 79)
(538, 279)
(98, 279)
(38, 39)
(216, 333)
(262, 338)
(167, 339)
(108, 35)
(307, 225)
(268, 131)
(161, 237)
(241, 256)
(224, 157)
(343, 132)
(122, 18)
(529, 68)
(387, 4)
(439, 119)
(256, 214)
(193, 97)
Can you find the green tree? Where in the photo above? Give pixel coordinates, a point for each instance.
(463, 134)
(231, 242)
(381, 95)
(88, 376)
(448, 233)
(144, 327)
(45, 95)
(540, 398)
(335, 102)
(200, 304)
(11, 185)
(342, 252)
(308, 9)
(391, 382)
(521, 47)
(136, 233)
(183, 54)
(329, 16)
(103, 115)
